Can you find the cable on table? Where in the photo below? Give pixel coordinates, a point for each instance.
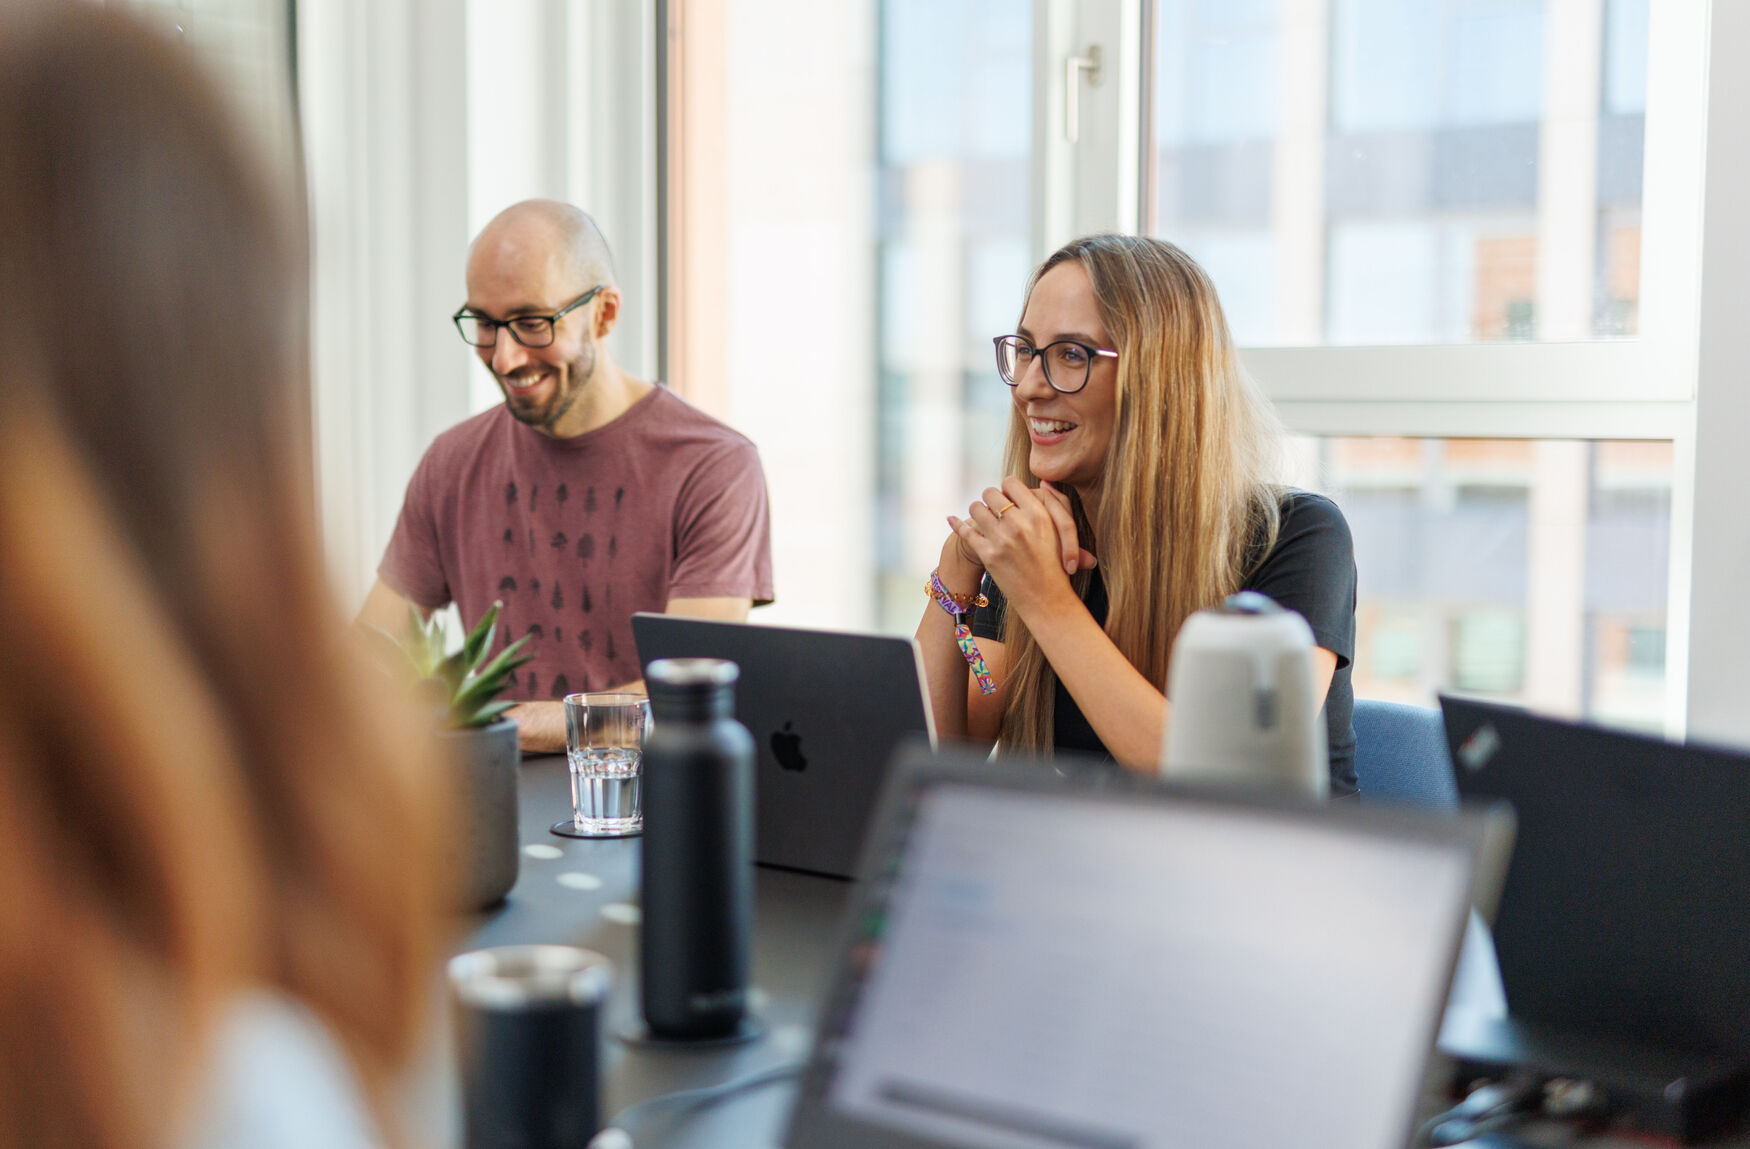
(684, 1102)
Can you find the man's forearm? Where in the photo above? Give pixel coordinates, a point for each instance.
(540, 727)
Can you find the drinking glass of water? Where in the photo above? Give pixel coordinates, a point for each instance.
(604, 741)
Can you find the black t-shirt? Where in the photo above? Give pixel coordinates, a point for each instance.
(1310, 571)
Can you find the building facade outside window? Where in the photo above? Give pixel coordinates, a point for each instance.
(954, 170)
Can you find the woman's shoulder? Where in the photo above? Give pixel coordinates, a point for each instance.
(1309, 519)
(1311, 568)
(1309, 509)
(1311, 533)
(276, 1077)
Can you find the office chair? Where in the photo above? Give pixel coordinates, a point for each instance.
(1400, 755)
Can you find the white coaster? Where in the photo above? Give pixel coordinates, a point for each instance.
(541, 850)
(611, 1138)
(577, 880)
(791, 1040)
(625, 913)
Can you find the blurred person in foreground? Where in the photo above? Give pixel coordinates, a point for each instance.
(218, 907)
(586, 496)
(1141, 487)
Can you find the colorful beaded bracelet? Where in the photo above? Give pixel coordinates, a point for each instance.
(958, 606)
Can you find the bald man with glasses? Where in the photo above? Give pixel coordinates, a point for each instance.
(586, 496)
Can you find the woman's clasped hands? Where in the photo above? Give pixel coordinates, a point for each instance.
(1025, 538)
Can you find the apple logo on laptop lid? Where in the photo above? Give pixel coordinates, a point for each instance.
(787, 749)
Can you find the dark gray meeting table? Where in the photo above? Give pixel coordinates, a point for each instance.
(585, 893)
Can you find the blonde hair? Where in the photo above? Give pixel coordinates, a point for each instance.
(1188, 500)
(204, 789)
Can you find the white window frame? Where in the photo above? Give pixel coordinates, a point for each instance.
(1685, 370)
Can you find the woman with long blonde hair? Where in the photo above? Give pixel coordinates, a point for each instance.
(216, 823)
(1142, 486)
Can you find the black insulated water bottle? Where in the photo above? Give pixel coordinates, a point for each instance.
(697, 853)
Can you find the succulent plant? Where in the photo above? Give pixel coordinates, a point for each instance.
(467, 690)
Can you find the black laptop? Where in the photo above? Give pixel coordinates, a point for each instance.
(1624, 918)
(1046, 962)
(826, 710)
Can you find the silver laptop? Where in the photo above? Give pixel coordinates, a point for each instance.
(826, 711)
(1039, 963)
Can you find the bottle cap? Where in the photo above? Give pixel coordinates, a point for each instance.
(523, 977)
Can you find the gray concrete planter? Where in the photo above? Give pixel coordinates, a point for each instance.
(488, 854)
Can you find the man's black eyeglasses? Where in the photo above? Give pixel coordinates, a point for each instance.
(1067, 363)
(529, 330)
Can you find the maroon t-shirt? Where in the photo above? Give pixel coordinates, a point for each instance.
(574, 535)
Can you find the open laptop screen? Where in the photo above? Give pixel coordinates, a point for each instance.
(1070, 969)
(1623, 915)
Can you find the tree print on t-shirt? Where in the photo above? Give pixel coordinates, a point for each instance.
(575, 535)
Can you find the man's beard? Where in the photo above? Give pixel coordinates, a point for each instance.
(569, 381)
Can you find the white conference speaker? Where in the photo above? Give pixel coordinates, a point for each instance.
(1243, 705)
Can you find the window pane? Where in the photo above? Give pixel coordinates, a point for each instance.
(955, 144)
(1377, 178)
(1530, 571)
